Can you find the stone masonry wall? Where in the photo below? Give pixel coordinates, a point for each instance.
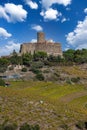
(40, 37)
(27, 47)
(50, 48)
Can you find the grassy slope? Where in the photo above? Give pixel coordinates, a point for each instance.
(46, 103)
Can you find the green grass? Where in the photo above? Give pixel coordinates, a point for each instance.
(81, 102)
(41, 102)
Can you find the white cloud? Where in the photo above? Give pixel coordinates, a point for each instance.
(78, 38)
(48, 3)
(32, 5)
(67, 48)
(4, 33)
(85, 10)
(82, 46)
(33, 40)
(13, 13)
(37, 27)
(51, 40)
(63, 20)
(50, 14)
(10, 46)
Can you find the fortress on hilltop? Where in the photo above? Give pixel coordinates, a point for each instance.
(49, 47)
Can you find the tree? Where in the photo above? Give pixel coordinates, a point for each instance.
(2, 82)
(40, 55)
(3, 64)
(80, 56)
(26, 59)
(69, 55)
(15, 59)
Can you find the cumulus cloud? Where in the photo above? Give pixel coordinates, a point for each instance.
(51, 40)
(32, 5)
(78, 38)
(34, 40)
(48, 3)
(50, 14)
(37, 27)
(85, 10)
(10, 46)
(4, 33)
(13, 13)
(81, 46)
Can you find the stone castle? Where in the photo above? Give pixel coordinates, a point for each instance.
(49, 47)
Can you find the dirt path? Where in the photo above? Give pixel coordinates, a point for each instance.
(70, 97)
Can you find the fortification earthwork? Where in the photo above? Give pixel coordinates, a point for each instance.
(51, 48)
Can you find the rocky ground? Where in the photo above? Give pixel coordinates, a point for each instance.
(60, 74)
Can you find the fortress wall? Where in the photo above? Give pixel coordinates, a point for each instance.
(27, 47)
(42, 45)
(51, 48)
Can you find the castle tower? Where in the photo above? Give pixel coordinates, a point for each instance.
(40, 37)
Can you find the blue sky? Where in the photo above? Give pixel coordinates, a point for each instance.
(63, 21)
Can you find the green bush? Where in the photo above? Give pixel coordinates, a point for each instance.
(36, 71)
(37, 65)
(80, 125)
(65, 126)
(75, 80)
(24, 69)
(37, 127)
(2, 82)
(40, 77)
(3, 69)
(8, 126)
(57, 74)
(11, 68)
(25, 127)
(46, 71)
(29, 127)
(13, 126)
(68, 81)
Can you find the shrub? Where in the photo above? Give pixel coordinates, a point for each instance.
(65, 126)
(36, 71)
(2, 82)
(37, 65)
(8, 126)
(24, 69)
(25, 127)
(57, 74)
(75, 80)
(40, 76)
(37, 127)
(29, 127)
(68, 81)
(80, 125)
(3, 69)
(46, 71)
(11, 68)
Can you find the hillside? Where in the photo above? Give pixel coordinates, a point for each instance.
(48, 91)
(48, 104)
(60, 74)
